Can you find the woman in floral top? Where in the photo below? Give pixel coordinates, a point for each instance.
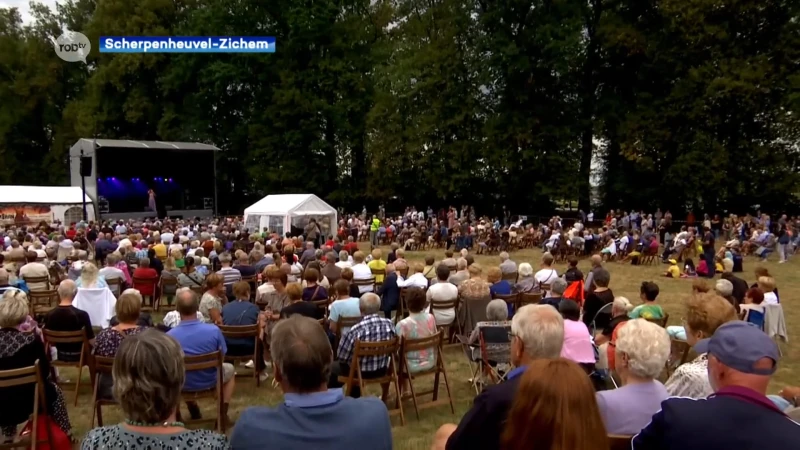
(475, 287)
(419, 324)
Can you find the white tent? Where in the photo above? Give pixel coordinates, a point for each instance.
(279, 213)
(33, 204)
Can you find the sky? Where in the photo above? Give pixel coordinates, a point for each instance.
(22, 5)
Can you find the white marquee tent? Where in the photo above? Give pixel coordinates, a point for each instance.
(32, 204)
(279, 213)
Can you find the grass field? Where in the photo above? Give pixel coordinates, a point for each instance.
(417, 434)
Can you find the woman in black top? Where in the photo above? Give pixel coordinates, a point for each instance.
(19, 350)
(597, 299)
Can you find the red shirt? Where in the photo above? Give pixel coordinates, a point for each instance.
(351, 248)
(145, 273)
(71, 233)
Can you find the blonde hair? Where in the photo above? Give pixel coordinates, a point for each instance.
(493, 275)
(176, 254)
(377, 253)
(766, 284)
(622, 304)
(475, 270)
(128, 306)
(13, 308)
(89, 274)
(169, 264)
(358, 257)
(294, 291)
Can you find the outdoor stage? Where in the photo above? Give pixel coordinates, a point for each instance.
(182, 174)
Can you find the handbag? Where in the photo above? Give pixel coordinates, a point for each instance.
(58, 438)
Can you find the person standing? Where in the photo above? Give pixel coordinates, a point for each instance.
(151, 202)
(708, 251)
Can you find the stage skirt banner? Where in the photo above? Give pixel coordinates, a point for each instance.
(25, 214)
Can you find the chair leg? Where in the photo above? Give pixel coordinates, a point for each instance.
(413, 395)
(95, 406)
(99, 415)
(78, 382)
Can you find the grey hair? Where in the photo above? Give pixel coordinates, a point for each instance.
(621, 305)
(369, 303)
(541, 330)
(225, 257)
(558, 286)
(647, 346)
(503, 256)
(112, 259)
(525, 270)
(343, 255)
(301, 353)
(133, 292)
(331, 257)
(724, 288)
(497, 310)
(67, 289)
(148, 376)
(461, 263)
(13, 308)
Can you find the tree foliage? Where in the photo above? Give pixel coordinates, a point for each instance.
(681, 103)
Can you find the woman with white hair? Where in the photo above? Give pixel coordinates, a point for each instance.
(605, 338)
(90, 278)
(642, 349)
(20, 349)
(496, 316)
(526, 281)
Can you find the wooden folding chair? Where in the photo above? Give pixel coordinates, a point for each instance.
(401, 307)
(365, 282)
(510, 299)
(42, 302)
(32, 281)
(344, 322)
(662, 322)
(147, 299)
(197, 290)
(16, 378)
(165, 283)
(69, 337)
(102, 365)
(378, 273)
(530, 298)
(239, 332)
(619, 442)
(511, 277)
(382, 348)
(447, 329)
(323, 305)
(203, 362)
(544, 288)
(679, 354)
(115, 286)
(434, 344)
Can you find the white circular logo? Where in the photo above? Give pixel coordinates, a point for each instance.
(72, 46)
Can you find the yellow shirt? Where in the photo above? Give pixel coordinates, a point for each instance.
(161, 251)
(674, 271)
(377, 264)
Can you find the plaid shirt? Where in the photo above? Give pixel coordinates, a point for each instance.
(372, 328)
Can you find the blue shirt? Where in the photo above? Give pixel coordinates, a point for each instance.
(344, 308)
(198, 338)
(238, 314)
(517, 371)
(321, 420)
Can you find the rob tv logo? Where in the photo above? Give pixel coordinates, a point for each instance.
(72, 46)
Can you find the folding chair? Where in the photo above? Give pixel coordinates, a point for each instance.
(167, 282)
(33, 281)
(494, 348)
(147, 299)
(199, 363)
(619, 442)
(115, 286)
(323, 304)
(448, 327)
(243, 332)
(679, 355)
(253, 283)
(17, 378)
(342, 323)
(401, 308)
(510, 299)
(382, 348)
(69, 337)
(662, 322)
(42, 302)
(605, 309)
(102, 365)
(434, 344)
(511, 276)
(530, 298)
(378, 273)
(365, 282)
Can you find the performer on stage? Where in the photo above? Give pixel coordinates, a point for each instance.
(152, 201)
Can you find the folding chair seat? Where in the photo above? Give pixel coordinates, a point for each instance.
(70, 337)
(16, 379)
(433, 344)
(200, 363)
(243, 332)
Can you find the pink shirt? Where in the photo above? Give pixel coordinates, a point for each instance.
(577, 342)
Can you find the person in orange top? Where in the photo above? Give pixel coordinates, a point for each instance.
(145, 272)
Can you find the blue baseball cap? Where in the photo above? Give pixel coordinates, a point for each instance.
(740, 345)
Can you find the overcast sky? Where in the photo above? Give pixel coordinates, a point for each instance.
(22, 5)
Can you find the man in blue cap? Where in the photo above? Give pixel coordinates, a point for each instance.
(741, 360)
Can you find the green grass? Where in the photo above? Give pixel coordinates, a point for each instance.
(417, 434)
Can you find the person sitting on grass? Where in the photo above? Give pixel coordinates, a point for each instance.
(673, 271)
(649, 309)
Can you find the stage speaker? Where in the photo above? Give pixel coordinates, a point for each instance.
(86, 166)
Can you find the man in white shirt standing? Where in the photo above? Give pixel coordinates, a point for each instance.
(361, 272)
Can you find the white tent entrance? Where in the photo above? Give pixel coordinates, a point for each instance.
(282, 213)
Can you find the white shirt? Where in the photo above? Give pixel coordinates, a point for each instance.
(769, 298)
(166, 238)
(442, 292)
(174, 247)
(344, 264)
(35, 269)
(612, 247)
(416, 280)
(363, 272)
(545, 276)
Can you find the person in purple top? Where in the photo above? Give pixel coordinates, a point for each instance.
(642, 349)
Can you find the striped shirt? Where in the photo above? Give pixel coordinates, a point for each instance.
(229, 275)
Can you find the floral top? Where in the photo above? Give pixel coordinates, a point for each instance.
(474, 288)
(417, 326)
(691, 379)
(207, 303)
(108, 340)
(118, 436)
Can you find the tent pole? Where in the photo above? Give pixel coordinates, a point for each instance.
(216, 213)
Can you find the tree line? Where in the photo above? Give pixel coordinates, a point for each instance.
(676, 103)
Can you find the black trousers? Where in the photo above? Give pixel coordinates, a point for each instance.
(340, 369)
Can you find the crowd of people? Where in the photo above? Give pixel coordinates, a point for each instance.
(563, 351)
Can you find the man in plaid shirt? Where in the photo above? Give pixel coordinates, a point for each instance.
(372, 328)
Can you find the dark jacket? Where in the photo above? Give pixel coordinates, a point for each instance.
(332, 272)
(390, 294)
(482, 426)
(739, 286)
(736, 418)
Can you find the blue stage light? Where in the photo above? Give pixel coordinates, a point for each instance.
(113, 179)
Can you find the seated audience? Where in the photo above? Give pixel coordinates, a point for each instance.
(430, 269)
(442, 291)
(66, 317)
(298, 305)
(198, 338)
(342, 306)
(313, 290)
(20, 350)
(476, 287)
(361, 272)
(546, 274)
(34, 269)
(767, 286)
(752, 302)
(377, 264)
(525, 281)
(347, 275)
(192, 278)
(416, 280)
(555, 294)
(90, 278)
(597, 299)
(573, 274)
(741, 360)
(213, 299)
(537, 332)
(704, 314)
(172, 272)
(642, 350)
(648, 309)
(145, 320)
(333, 272)
(148, 377)
(577, 340)
(461, 273)
(498, 286)
(554, 406)
(419, 324)
(147, 275)
(605, 338)
(302, 361)
(372, 328)
(739, 285)
(390, 292)
(321, 279)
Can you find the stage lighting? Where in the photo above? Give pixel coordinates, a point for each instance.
(170, 180)
(155, 179)
(113, 179)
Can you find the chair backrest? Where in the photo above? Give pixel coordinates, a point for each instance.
(322, 304)
(20, 377)
(511, 299)
(662, 322)
(239, 331)
(36, 280)
(144, 281)
(64, 337)
(495, 334)
(511, 276)
(364, 281)
(544, 287)
(378, 272)
(379, 348)
(197, 290)
(444, 304)
(412, 345)
(168, 281)
(346, 322)
(43, 298)
(103, 364)
(756, 318)
(530, 298)
(204, 362)
(114, 284)
(619, 442)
